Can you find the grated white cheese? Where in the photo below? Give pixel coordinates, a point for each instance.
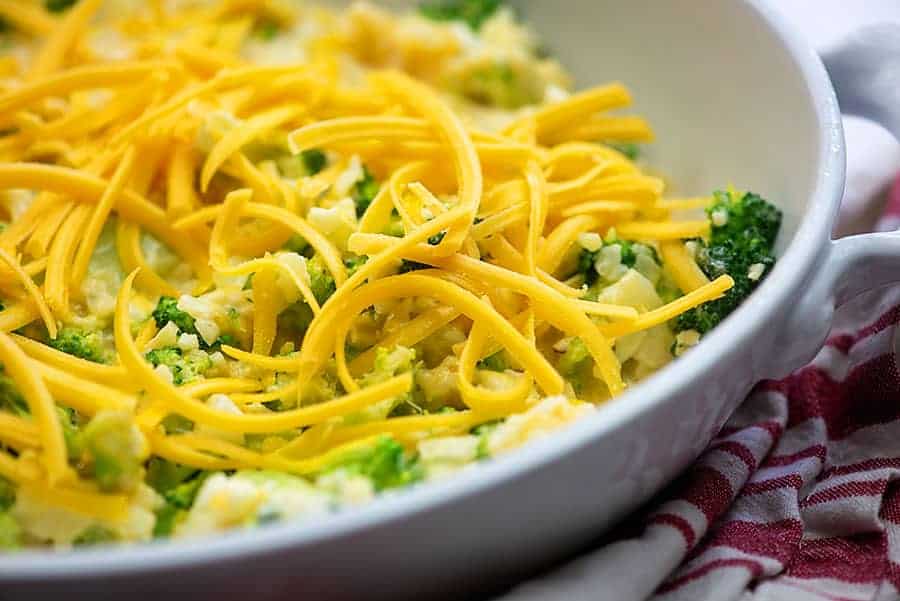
(756, 271)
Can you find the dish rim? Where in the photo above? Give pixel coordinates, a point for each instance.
(809, 244)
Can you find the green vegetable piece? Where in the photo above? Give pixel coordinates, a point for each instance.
(495, 362)
(81, 344)
(116, 450)
(296, 244)
(164, 475)
(354, 263)
(183, 495)
(385, 463)
(437, 238)
(7, 494)
(267, 30)
(11, 398)
(167, 517)
(58, 6)
(320, 281)
(95, 534)
(364, 192)
(741, 244)
(10, 532)
(184, 368)
(472, 12)
(167, 310)
(576, 353)
(631, 151)
(499, 85)
(314, 160)
(587, 259)
(406, 266)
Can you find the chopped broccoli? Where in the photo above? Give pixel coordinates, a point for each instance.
(320, 281)
(58, 6)
(68, 421)
(10, 532)
(573, 357)
(472, 12)
(81, 344)
(178, 486)
(296, 244)
(385, 463)
(116, 450)
(184, 368)
(495, 362)
(7, 494)
(609, 261)
(629, 149)
(483, 432)
(364, 192)
(2, 306)
(267, 30)
(314, 160)
(437, 238)
(11, 398)
(95, 534)
(354, 263)
(500, 85)
(167, 310)
(177, 424)
(309, 162)
(163, 474)
(741, 244)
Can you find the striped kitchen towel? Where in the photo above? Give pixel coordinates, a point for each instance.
(798, 498)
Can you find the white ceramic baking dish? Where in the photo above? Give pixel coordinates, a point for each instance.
(735, 97)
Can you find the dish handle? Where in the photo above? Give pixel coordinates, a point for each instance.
(865, 71)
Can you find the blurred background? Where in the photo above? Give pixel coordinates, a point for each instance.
(873, 155)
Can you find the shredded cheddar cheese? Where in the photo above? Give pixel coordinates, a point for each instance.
(229, 253)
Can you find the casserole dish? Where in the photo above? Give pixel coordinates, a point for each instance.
(730, 84)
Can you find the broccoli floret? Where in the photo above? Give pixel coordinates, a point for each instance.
(178, 486)
(58, 6)
(385, 463)
(116, 450)
(354, 263)
(472, 12)
(81, 344)
(500, 85)
(320, 281)
(184, 368)
(613, 256)
(743, 229)
(10, 532)
(295, 319)
(437, 238)
(95, 534)
(364, 192)
(167, 310)
(164, 475)
(7, 494)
